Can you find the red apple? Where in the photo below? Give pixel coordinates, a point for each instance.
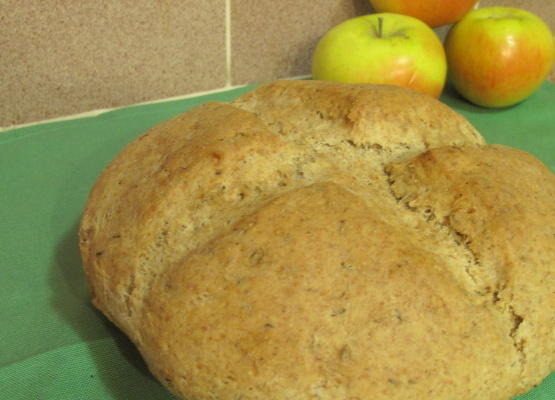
(433, 12)
(382, 49)
(498, 56)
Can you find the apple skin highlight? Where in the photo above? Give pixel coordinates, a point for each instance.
(433, 12)
(407, 53)
(498, 56)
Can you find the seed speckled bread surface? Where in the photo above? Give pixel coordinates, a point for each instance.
(315, 240)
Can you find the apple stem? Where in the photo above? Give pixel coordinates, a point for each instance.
(380, 27)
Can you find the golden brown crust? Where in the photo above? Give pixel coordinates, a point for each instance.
(315, 240)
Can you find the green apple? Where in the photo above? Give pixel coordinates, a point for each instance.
(498, 56)
(383, 48)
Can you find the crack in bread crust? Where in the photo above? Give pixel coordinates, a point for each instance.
(479, 203)
(487, 291)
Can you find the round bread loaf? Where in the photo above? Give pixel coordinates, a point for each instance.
(315, 240)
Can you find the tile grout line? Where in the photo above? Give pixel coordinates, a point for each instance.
(94, 113)
(228, 43)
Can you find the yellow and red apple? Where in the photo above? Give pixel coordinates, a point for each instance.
(498, 56)
(382, 48)
(433, 12)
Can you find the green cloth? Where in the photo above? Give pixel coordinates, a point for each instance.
(53, 344)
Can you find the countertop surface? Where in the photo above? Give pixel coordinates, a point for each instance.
(53, 344)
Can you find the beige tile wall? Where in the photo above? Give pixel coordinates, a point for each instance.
(61, 57)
